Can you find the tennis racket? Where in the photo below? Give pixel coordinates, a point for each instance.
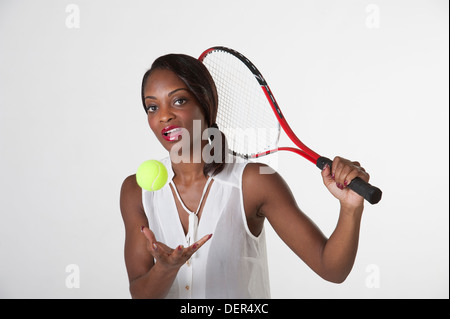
(246, 114)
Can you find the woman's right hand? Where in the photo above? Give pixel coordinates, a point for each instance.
(169, 257)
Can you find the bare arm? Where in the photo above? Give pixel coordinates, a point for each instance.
(147, 278)
(331, 258)
(146, 281)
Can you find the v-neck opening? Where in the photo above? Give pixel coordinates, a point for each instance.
(203, 200)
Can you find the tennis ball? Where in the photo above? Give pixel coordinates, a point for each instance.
(151, 175)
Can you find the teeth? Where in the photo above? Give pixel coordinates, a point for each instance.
(171, 131)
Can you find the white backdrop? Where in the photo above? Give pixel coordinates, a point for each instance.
(365, 79)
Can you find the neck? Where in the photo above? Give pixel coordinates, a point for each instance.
(189, 170)
(188, 173)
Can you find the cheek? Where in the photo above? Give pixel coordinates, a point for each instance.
(198, 120)
(199, 116)
(152, 123)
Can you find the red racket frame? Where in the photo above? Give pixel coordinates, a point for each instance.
(371, 193)
(302, 150)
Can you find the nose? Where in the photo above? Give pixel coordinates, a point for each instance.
(165, 115)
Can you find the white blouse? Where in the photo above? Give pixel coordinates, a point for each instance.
(233, 263)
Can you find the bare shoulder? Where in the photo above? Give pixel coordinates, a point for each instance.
(263, 187)
(262, 178)
(256, 172)
(130, 188)
(130, 183)
(131, 199)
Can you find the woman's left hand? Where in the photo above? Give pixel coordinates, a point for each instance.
(340, 176)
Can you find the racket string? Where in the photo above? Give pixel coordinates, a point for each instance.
(244, 114)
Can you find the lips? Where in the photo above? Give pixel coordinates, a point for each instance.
(171, 133)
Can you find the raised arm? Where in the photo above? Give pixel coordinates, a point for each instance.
(331, 258)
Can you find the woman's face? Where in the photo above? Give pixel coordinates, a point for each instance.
(170, 108)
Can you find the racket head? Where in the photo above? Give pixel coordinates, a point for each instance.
(247, 109)
(244, 114)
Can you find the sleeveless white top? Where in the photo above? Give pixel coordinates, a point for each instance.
(233, 263)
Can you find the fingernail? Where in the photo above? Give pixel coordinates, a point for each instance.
(142, 228)
(332, 175)
(345, 183)
(209, 237)
(325, 167)
(180, 247)
(340, 186)
(195, 246)
(154, 246)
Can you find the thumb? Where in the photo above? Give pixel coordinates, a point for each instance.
(148, 234)
(326, 175)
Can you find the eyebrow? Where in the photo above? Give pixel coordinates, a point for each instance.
(169, 95)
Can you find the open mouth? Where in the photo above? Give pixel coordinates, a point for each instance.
(171, 133)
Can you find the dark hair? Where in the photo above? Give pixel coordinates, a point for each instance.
(200, 83)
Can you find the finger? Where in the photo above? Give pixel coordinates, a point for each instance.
(351, 175)
(326, 176)
(148, 234)
(335, 167)
(344, 176)
(178, 252)
(156, 251)
(199, 243)
(189, 251)
(152, 246)
(361, 172)
(347, 171)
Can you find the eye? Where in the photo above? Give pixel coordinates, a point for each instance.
(180, 101)
(151, 108)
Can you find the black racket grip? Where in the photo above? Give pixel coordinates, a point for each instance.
(370, 193)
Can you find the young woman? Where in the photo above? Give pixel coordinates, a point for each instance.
(202, 234)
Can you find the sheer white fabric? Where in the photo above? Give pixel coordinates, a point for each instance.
(233, 263)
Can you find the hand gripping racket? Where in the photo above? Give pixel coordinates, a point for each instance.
(244, 100)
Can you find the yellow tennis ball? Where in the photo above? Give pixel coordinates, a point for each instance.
(151, 175)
